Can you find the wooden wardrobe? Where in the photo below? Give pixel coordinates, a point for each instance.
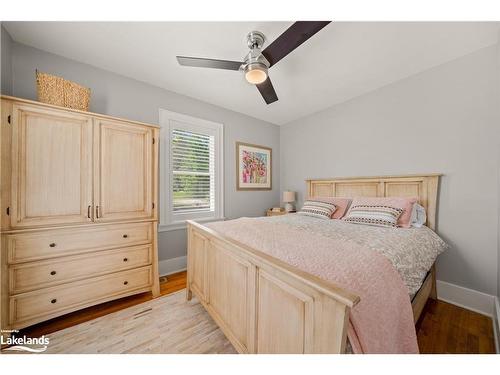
(78, 210)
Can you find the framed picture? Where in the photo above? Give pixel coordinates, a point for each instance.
(253, 167)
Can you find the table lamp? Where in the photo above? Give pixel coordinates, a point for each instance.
(288, 199)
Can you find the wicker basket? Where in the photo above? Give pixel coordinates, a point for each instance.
(59, 91)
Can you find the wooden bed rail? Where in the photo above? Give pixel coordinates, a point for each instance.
(262, 304)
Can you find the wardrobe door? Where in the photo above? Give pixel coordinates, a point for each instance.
(123, 157)
(51, 167)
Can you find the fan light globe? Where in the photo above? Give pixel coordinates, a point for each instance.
(256, 73)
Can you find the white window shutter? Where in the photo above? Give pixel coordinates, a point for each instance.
(193, 169)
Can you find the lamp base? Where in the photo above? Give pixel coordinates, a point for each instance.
(289, 207)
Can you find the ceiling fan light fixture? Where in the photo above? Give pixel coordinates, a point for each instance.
(256, 73)
(258, 60)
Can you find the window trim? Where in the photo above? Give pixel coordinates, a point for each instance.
(167, 220)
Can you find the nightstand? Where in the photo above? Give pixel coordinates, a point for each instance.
(275, 213)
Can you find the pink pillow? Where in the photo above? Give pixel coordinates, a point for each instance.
(406, 204)
(341, 203)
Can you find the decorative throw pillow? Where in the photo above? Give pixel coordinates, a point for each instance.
(406, 204)
(317, 208)
(382, 216)
(341, 204)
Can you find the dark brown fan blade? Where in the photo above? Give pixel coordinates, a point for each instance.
(209, 63)
(293, 37)
(266, 89)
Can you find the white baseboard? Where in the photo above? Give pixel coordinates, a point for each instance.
(170, 266)
(496, 324)
(467, 298)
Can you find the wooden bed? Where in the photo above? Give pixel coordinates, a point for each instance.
(264, 305)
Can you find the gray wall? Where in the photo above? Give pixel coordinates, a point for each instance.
(442, 120)
(498, 171)
(117, 95)
(5, 62)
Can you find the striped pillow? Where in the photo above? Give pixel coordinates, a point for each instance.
(317, 208)
(382, 216)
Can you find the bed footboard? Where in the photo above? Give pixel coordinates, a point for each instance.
(262, 304)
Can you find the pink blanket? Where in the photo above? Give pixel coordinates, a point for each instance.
(382, 322)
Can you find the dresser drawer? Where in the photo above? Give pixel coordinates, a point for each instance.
(40, 305)
(23, 247)
(41, 274)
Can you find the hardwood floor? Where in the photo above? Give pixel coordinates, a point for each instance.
(446, 328)
(442, 328)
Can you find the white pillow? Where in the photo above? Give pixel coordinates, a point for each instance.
(418, 216)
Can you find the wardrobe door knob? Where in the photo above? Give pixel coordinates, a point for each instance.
(53, 301)
(125, 259)
(125, 282)
(125, 236)
(53, 273)
(52, 244)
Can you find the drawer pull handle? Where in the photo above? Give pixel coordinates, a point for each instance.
(125, 236)
(125, 259)
(52, 244)
(53, 301)
(125, 282)
(53, 273)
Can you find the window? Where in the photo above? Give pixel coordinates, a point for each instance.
(190, 170)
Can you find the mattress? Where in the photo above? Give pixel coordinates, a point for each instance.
(411, 251)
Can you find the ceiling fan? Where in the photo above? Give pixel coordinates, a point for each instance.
(258, 61)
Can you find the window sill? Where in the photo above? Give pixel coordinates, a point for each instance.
(183, 225)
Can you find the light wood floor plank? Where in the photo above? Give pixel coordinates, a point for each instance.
(167, 324)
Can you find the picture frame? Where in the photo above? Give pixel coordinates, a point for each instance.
(253, 167)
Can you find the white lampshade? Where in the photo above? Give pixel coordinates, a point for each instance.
(288, 196)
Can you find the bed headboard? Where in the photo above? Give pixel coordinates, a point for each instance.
(423, 187)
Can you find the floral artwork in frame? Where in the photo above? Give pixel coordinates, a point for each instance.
(253, 167)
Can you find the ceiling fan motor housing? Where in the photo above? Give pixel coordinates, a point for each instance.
(254, 59)
(255, 39)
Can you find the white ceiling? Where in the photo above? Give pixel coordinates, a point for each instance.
(342, 61)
